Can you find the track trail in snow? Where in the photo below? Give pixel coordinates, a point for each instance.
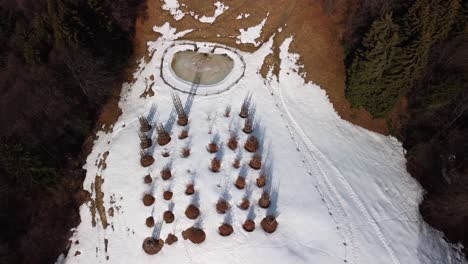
(315, 169)
(329, 194)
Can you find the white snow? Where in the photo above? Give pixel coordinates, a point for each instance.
(251, 34)
(243, 15)
(220, 9)
(344, 193)
(173, 7)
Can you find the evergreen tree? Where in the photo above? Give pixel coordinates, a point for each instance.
(395, 53)
(367, 85)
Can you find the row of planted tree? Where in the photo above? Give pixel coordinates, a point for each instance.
(253, 144)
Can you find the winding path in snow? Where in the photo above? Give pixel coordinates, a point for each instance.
(311, 161)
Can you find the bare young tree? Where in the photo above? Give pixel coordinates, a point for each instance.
(182, 115)
(144, 124)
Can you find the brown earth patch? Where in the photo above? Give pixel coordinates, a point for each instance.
(222, 206)
(192, 212)
(225, 229)
(249, 225)
(168, 217)
(240, 183)
(152, 246)
(99, 200)
(261, 181)
(245, 204)
(269, 224)
(171, 239)
(148, 199)
(149, 221)
(195, 235)
(148, 179)
(167, 195)
(166, 174)
(190, 189)
(264, 200)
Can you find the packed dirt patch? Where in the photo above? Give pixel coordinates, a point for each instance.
(196, 235)
(256, 162)
(245, 204)
(171, 239)
(251, 145)
(222, 206)
(148, 199)
(166, 174)
(152, 246)
(240, 183)
(190, 189)
(168, 217)
(150, 221)
(215, 165)
(264, 200)
(148, 179)
(167, 195)
(261, 181)
(99, 202)
(146, 160)
(192, 212)
(269, 224)
(225, 229)
(249, 225)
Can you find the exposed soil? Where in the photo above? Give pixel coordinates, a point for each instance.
(182, 121)
(144, 126)
(225, 229)
(144, 144)
(269, 224)
(251, 145)
(249, 225)
(168, 217)
(261, 181)
(152, 246)
(185, 152)
(192, 212)
(148, 199)
(245, 204)
(248, 126)
(183, 134)
(236, 163)
(164, 139)
(146, 160)
(148, 179)
(244, 113)
(256, 162)
(195, 235)
(240, 183)
(150, 221)
(232, 143)
(99, 201)
(215, 165)
(264, 200)
(167, 195)
(171, 239)
(166, 174)
(212, 148)
(222, 206)
(190, 189)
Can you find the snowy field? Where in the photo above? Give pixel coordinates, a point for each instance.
(344, 193)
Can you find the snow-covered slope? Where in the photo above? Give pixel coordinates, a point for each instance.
(344, 193)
